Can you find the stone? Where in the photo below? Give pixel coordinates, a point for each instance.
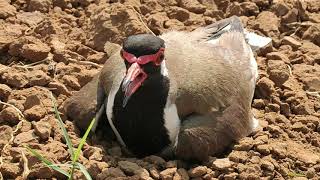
(278, 56)
(71, 81)
(10, 170)
(298, 126)
(181, 174)
(15, 78)
(111, 173)
(250, 8)
(197, 171)
(306, 156)
(267, 165)
(35, 52)
(267, 22)
(236, 156)
(59, 88)
(178, 13)
(312, 34)
(168, 174)
(288, 40)
(98, 57)
(173, 24)
(265, 87)
(31, 19)
(278, 72)
(234, 9)
(58, 149)
(9, 33)
(192, 6)
(5, 91)
(272, 108)
(154, 173)
(38, 78)
(151, 7)
(6, 9)
(10, 115)
(156, 22)
(311, 172)
(222, 164)
(231, 176)
(245, 144)
(35, 113)
(156, 160)
(131, 168)
(312, 84)
(5, 135)
(25, 137)
(56, 45)
(258, 103)
(39, 5)
(93, 153)
(42, 129)
(95, 167)
(290, 17)
(280, 8)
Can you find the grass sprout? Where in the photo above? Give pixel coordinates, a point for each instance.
(73, 153)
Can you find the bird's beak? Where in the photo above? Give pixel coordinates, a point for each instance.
(132, 81)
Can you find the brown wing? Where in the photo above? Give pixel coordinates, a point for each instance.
(206, 76)
(84, 104)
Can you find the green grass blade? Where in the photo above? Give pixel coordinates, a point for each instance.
(84, 171)
(61, 165)
(63, 128)
(47, 162)
(295, 174)
(83, 140)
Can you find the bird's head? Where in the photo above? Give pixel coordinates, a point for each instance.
(143, 55)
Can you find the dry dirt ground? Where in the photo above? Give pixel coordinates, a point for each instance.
(60, 45)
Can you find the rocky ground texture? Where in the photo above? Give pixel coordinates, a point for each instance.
(60, 45)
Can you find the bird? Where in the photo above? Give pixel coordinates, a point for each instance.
(180, 94)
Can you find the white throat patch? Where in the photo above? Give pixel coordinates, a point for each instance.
(171, 118)
(164, 70)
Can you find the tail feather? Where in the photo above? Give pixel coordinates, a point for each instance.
(233, 24)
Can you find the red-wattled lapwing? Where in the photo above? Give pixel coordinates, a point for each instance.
(188, 93)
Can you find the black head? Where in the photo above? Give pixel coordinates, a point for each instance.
(142, 44)
(142, 55)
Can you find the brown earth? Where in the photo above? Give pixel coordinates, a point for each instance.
(59, 45)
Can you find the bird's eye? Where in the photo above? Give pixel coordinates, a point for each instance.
(121, 54)
(160, 59)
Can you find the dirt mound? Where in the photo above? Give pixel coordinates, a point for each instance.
(60, 45)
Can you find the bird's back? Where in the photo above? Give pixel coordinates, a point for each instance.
(208, 77)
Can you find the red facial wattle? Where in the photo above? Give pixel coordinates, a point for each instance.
(141, 60)
(135, 75)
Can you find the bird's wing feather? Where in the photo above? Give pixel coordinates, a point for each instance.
(213, 32)
(82, 106)
(208, 76)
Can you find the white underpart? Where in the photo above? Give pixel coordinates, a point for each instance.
(109, 110)
(171, 118)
